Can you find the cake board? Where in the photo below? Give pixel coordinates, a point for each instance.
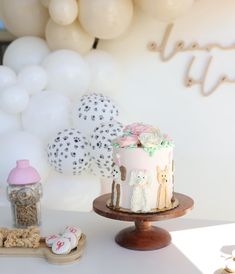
(143, 236)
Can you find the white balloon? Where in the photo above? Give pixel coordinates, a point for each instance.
(7, 77)
(91, 110)
(165, 10)
(46, 113)
(24, 17)
(70, 36)
(68, 152)
(22, 145)
(9, 122)
(74, 193)
(104, 71)
(63, 12)
(33, 78)
(67, 72)
(25, 51)
(14, 99)
(105, 19)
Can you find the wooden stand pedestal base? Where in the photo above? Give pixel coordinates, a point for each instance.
(143, 236)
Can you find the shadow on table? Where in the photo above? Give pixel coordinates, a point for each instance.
(227, 249)
(167, 260)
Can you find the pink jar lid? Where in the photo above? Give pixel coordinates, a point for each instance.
(23, 174)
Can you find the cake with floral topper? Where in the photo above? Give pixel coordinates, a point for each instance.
(143, 171)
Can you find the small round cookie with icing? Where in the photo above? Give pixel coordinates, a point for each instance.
(75, 230)
(230, 263)
(62, 246)
(51, 239)
(72, 238)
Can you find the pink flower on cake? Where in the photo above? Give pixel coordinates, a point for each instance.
(128, 141)
(150, 139)
(138, 128)
(167, 137)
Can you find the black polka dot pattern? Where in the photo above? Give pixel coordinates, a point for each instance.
(68, 152)
(101, 146)
(93, 109)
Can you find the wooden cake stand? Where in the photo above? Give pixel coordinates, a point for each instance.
(143, 236)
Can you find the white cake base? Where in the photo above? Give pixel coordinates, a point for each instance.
(142, 182)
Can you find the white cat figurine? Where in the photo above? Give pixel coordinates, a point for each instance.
(139, 179)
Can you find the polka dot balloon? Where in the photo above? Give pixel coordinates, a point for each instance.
(100, 171)
(101, 146)
(68, 152)
(93, 109)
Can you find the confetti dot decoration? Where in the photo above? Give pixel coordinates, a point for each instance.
(68, 152)
(101, 146)
(92, 110)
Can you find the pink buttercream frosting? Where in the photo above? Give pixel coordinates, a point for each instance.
(139, 135)
(128, 141)
(23, 174)
(138, 128)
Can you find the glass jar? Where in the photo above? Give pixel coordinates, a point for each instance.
(24, 193)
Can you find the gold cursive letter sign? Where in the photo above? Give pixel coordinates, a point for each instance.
(181, 47)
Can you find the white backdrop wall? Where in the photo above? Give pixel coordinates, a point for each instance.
(203, 128)
(153, 92)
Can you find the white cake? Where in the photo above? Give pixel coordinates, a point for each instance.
(143, 171)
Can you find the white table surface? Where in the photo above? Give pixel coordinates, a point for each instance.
(198, 246)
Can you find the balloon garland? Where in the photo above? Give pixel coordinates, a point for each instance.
(74, 24)
(92, 110)
(25, 17)
(41, 87)
(7, 77)
(25, 51)
(105, 19)
(163, 10)
(14, 99)
(67, 72)
(33, 79)
(104, 71)
(42, 80)
(46, 113)
(63, 12)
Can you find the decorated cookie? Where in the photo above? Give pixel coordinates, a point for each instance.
(230, 265)
(61, 246)
(72, 238)
(76, 230)
(51, 239)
